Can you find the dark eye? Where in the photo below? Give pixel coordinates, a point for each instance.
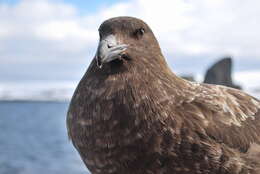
(139, 32)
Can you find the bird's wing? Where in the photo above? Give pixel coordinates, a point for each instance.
(227, 115)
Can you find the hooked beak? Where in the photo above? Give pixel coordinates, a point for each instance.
(109, 50)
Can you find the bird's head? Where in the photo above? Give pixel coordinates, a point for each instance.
(126, 39)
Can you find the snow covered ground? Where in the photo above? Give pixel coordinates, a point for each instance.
(62, 91)
(37, 91)
(250, 82)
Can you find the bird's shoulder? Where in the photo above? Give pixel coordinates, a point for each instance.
(228, 115)
(232, 106)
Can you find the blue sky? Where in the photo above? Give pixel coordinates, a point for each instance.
(91, 6)
(56, 39)
(83, 6)
(9, 1)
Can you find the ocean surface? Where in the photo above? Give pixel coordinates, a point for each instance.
(33, 139)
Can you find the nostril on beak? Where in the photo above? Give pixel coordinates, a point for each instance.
(109, 46)
(99, 63)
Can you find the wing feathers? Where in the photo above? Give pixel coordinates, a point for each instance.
(228, 115)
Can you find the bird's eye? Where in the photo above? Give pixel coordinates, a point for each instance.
(139, 32)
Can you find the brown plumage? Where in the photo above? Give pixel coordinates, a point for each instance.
(131, 115)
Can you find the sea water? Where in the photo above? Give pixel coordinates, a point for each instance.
(33, 139)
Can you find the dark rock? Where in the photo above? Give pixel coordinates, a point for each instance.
(220, 73)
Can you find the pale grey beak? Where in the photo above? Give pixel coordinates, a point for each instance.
(108, 50)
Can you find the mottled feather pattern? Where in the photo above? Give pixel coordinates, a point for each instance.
(137, 117)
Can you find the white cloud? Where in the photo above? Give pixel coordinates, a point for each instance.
(202, 27)
(49, 30)
(43, 30)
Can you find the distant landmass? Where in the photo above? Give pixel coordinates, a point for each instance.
(63, 90)
(37, 91)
